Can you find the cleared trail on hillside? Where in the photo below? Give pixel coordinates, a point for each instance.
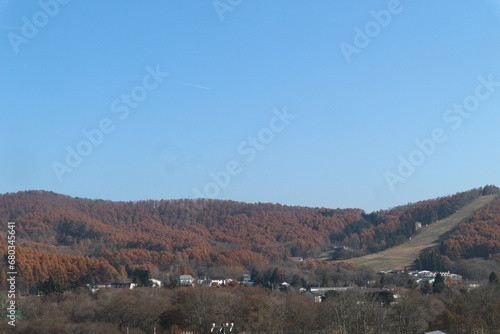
(432, 235)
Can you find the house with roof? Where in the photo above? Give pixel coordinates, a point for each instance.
(218, 281)
(186, 280)
(246, 279)
(318, 298)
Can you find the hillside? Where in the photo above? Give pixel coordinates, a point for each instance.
(162, 236)
(80, 240)
(477, 236)
(430, 236)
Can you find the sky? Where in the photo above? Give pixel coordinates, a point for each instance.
(337, 104)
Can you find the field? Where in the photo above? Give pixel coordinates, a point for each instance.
(403, 255)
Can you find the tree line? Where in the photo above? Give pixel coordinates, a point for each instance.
(81, 241)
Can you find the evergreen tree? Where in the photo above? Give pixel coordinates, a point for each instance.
(412, 284)
(494, 279)
(172, 282)
(50, 286)
(255, 276)
(324, 281)
(426, 288)
(382, 280)
(129, 270)
(296, 283)
(274, 276)
(438, 286)
(142, 277)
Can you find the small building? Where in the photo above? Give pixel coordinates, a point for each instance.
(284, 286)
(318, 298)
(96, 287)
(246, 278)
(426, 274)
(186, 280)
(218, 281)
(422, 281)
(155, 283)
(199, 281)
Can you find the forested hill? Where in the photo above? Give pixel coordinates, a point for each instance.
(81, 239)
(387, 228)
(428, 239)
(477, 236)
(161, 235)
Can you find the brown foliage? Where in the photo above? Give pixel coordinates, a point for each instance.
(479, 236)
(64, 236)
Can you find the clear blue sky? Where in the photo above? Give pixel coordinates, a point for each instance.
(69, 67)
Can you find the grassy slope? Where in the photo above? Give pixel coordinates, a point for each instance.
(432, 235)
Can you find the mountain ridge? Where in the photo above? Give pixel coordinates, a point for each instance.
(193, 236)
(403, 255)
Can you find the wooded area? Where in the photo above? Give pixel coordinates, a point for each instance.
(79, 241)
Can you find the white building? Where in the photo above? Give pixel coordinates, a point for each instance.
(155, 283)
(186, 279)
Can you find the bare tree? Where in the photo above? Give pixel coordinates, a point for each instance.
(301, 313)
(204, 306)
(412, 312)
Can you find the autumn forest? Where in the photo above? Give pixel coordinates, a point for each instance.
(67, 243)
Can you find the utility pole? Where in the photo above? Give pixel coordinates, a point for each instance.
(222, 328)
